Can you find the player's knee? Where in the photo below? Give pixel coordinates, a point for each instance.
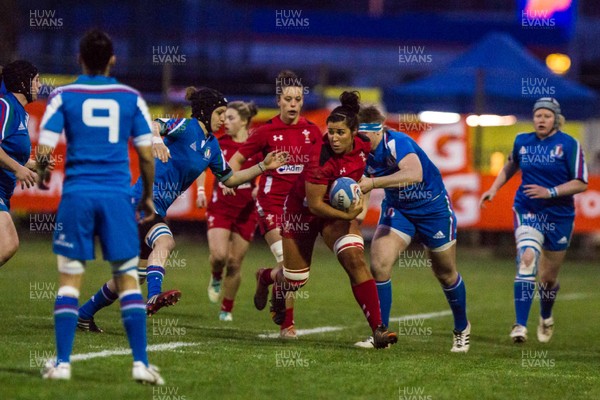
(165, 243)
(9, 248)
(126, 267)
(234, 265)
(295, 279)
(70, 266)
(446, 277)
(277, 250)
(217, 259)
(68, 291)
(529, 248)
(348, 242)
(527, 262)
(161, 237)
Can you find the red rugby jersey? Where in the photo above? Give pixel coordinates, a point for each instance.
(298, 140)
(242, 200)
(326, 166)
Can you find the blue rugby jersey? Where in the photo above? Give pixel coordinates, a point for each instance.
(14, 139)
(549, 162)
(98, 116)
(394, 146)
(191, 153)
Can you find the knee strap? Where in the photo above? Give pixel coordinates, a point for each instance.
(348, 241)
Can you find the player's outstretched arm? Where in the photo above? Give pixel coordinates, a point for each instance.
(146, 163)
(314, 197)
(273, 160)
(236, 161)
(411, 171)
(509, 170)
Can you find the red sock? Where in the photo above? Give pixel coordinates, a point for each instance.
(289, 318)
(217, 275)
(227, 305)
(366, 297)
(265, 276)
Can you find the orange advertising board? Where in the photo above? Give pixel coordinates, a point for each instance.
(446, 145)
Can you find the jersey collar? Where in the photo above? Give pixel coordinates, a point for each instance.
(95, 80)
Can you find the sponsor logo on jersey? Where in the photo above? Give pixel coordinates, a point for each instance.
(22, 126)
(277, 137)
(342, 171)
(439, 235)
(193, 146)
(290, 169)
(390, 212)
(557, 151)
(563, 240)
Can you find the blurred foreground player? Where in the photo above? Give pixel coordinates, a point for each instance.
(99, 115)
(416, 204)
(19, 86)
(308, 213)
(231, 214)
(553, 170)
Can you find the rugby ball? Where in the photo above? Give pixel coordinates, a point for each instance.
(343, 192)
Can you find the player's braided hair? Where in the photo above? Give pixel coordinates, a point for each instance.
(17, 77)
(347, 111)
(204, 102)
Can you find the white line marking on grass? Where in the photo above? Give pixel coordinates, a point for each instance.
(302, 332)
(437, 314)
(122, 352)
(324, 329)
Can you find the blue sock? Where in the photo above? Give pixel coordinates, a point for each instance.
(154, 277)
(104, 297)
(384, 291)
(65, 322)
(133, 314)
(547, 297)
(523, 291)
(457, 298)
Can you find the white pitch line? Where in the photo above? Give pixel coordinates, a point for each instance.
(122, 352)
(437, 314)
(302, 332)
(323, 329)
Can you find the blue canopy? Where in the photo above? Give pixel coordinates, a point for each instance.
(510, 80)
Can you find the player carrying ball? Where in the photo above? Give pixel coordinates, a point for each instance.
(308, 213)
(188, 149)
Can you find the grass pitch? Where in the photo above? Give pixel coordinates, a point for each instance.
(203, 358)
